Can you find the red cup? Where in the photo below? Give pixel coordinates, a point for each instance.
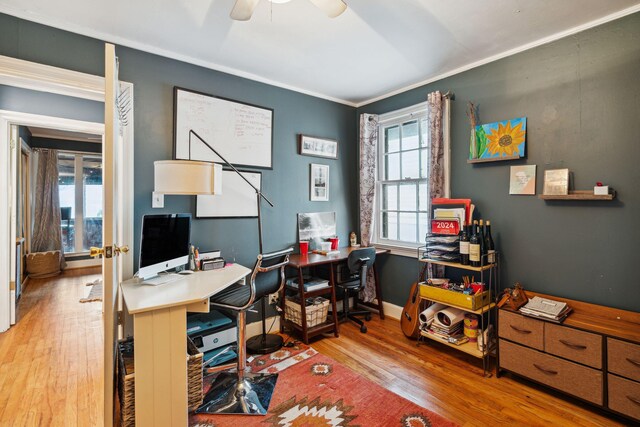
(334, 243)
(304, 247)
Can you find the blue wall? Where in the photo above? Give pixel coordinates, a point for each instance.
(154, 77)
(581, 97)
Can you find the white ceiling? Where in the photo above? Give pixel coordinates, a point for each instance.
(375, 48)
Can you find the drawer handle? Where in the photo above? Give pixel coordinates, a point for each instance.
(520, 331)
(633, 399)
(547, 371)
(574, 346)
(634, 362)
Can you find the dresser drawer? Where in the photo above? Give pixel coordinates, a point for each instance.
(521, 329)
(578, 380)
(624, 396)
(579, 346)
(623, 358)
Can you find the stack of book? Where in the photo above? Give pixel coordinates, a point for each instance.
(310, 284)
(453, 334)
(546, 309)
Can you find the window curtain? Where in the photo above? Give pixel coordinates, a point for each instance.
(438, 106)
(368, 171)
(47, 234)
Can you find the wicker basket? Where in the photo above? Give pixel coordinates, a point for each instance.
(43, 264)
(316, 312)
(126, 380)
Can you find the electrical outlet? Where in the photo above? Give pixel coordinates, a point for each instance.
(157, 200)
(273, 299)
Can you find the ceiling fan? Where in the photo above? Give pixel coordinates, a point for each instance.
(243, 9)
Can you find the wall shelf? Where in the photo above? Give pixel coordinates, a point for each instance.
(579, 195)
(494, 159)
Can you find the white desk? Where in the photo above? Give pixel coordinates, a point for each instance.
(160, 339)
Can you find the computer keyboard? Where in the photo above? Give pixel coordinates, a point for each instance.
(162, 279)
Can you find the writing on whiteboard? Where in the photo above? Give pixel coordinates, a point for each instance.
(239, 132)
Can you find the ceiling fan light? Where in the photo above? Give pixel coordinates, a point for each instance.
(332, 8)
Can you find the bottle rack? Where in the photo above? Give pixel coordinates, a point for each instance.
(486, 314)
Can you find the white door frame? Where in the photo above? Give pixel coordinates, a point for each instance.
(30, 75)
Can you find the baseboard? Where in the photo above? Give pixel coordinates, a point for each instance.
(391, 310)
(94, 262)
(255, 328)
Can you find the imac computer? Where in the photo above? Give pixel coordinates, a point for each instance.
(164, 244)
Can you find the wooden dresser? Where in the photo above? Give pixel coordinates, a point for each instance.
(594, 355)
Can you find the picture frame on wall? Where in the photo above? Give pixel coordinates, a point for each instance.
(523, 180)
(319, 183)
(556, 182)
(318, 147)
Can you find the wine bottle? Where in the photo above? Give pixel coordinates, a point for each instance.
(464, 246)
(474, 246)
(483, 249)
(489, 245)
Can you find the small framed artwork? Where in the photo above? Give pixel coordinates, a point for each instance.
(504, 140)
(318, 147)
(523, 180)
(556, 182)
(319, 183)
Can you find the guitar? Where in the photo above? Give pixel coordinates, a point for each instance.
(409, 322)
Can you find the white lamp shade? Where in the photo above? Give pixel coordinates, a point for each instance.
(187, 177)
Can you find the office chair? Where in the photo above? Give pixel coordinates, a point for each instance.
(242, 392)
(358, 262)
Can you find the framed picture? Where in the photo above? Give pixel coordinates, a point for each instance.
(556, 182)
(319, 183)
(318, 147)
(242, 133)
(504, 140)
(523, 180)
(238, 200)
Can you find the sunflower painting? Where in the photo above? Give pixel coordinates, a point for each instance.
(500, 140)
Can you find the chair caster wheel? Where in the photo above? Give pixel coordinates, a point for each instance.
(363, 329)
(367, 317)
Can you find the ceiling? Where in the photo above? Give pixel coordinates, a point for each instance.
(64, 134)
(375, 48)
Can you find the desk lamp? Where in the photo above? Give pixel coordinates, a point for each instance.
(188, 177)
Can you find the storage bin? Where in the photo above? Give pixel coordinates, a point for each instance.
(455, 299)
(316, 312)
(126, 380)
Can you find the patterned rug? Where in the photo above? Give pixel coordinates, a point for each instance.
(95, 294)
(282, 359)
(318, 391)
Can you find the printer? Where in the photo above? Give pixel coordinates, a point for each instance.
(214, 334)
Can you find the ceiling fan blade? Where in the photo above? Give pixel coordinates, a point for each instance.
(243, 9)
(332, 8)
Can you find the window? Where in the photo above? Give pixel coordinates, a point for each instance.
(80, 190)
(402, 188)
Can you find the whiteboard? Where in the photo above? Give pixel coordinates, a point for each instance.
(241, 133)
(238, 199)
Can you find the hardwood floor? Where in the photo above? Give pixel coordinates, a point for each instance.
(51, 360)
(450, 383)
(51, 369)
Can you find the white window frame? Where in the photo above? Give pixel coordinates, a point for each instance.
(398, 117)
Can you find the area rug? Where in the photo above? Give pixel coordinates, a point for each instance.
(282, 359)
(319, 391)
(95, 294)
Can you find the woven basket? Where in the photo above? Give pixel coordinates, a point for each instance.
(43, 264)
(126, 380)
(316, 312)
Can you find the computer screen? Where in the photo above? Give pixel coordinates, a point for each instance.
(164, 243)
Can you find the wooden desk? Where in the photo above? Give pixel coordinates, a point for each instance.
(301, 262)
(160, 339)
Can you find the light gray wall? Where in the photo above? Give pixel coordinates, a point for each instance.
(581, 97)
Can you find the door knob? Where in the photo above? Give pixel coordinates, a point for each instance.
(95, 252)
(122, 249)
(107, 251)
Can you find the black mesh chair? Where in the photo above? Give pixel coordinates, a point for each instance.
(242, 392)
(358, 262)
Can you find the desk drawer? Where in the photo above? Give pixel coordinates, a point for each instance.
(624, 396)
(521, 329)
(577, 380)
(624, 358)
(579, 346)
